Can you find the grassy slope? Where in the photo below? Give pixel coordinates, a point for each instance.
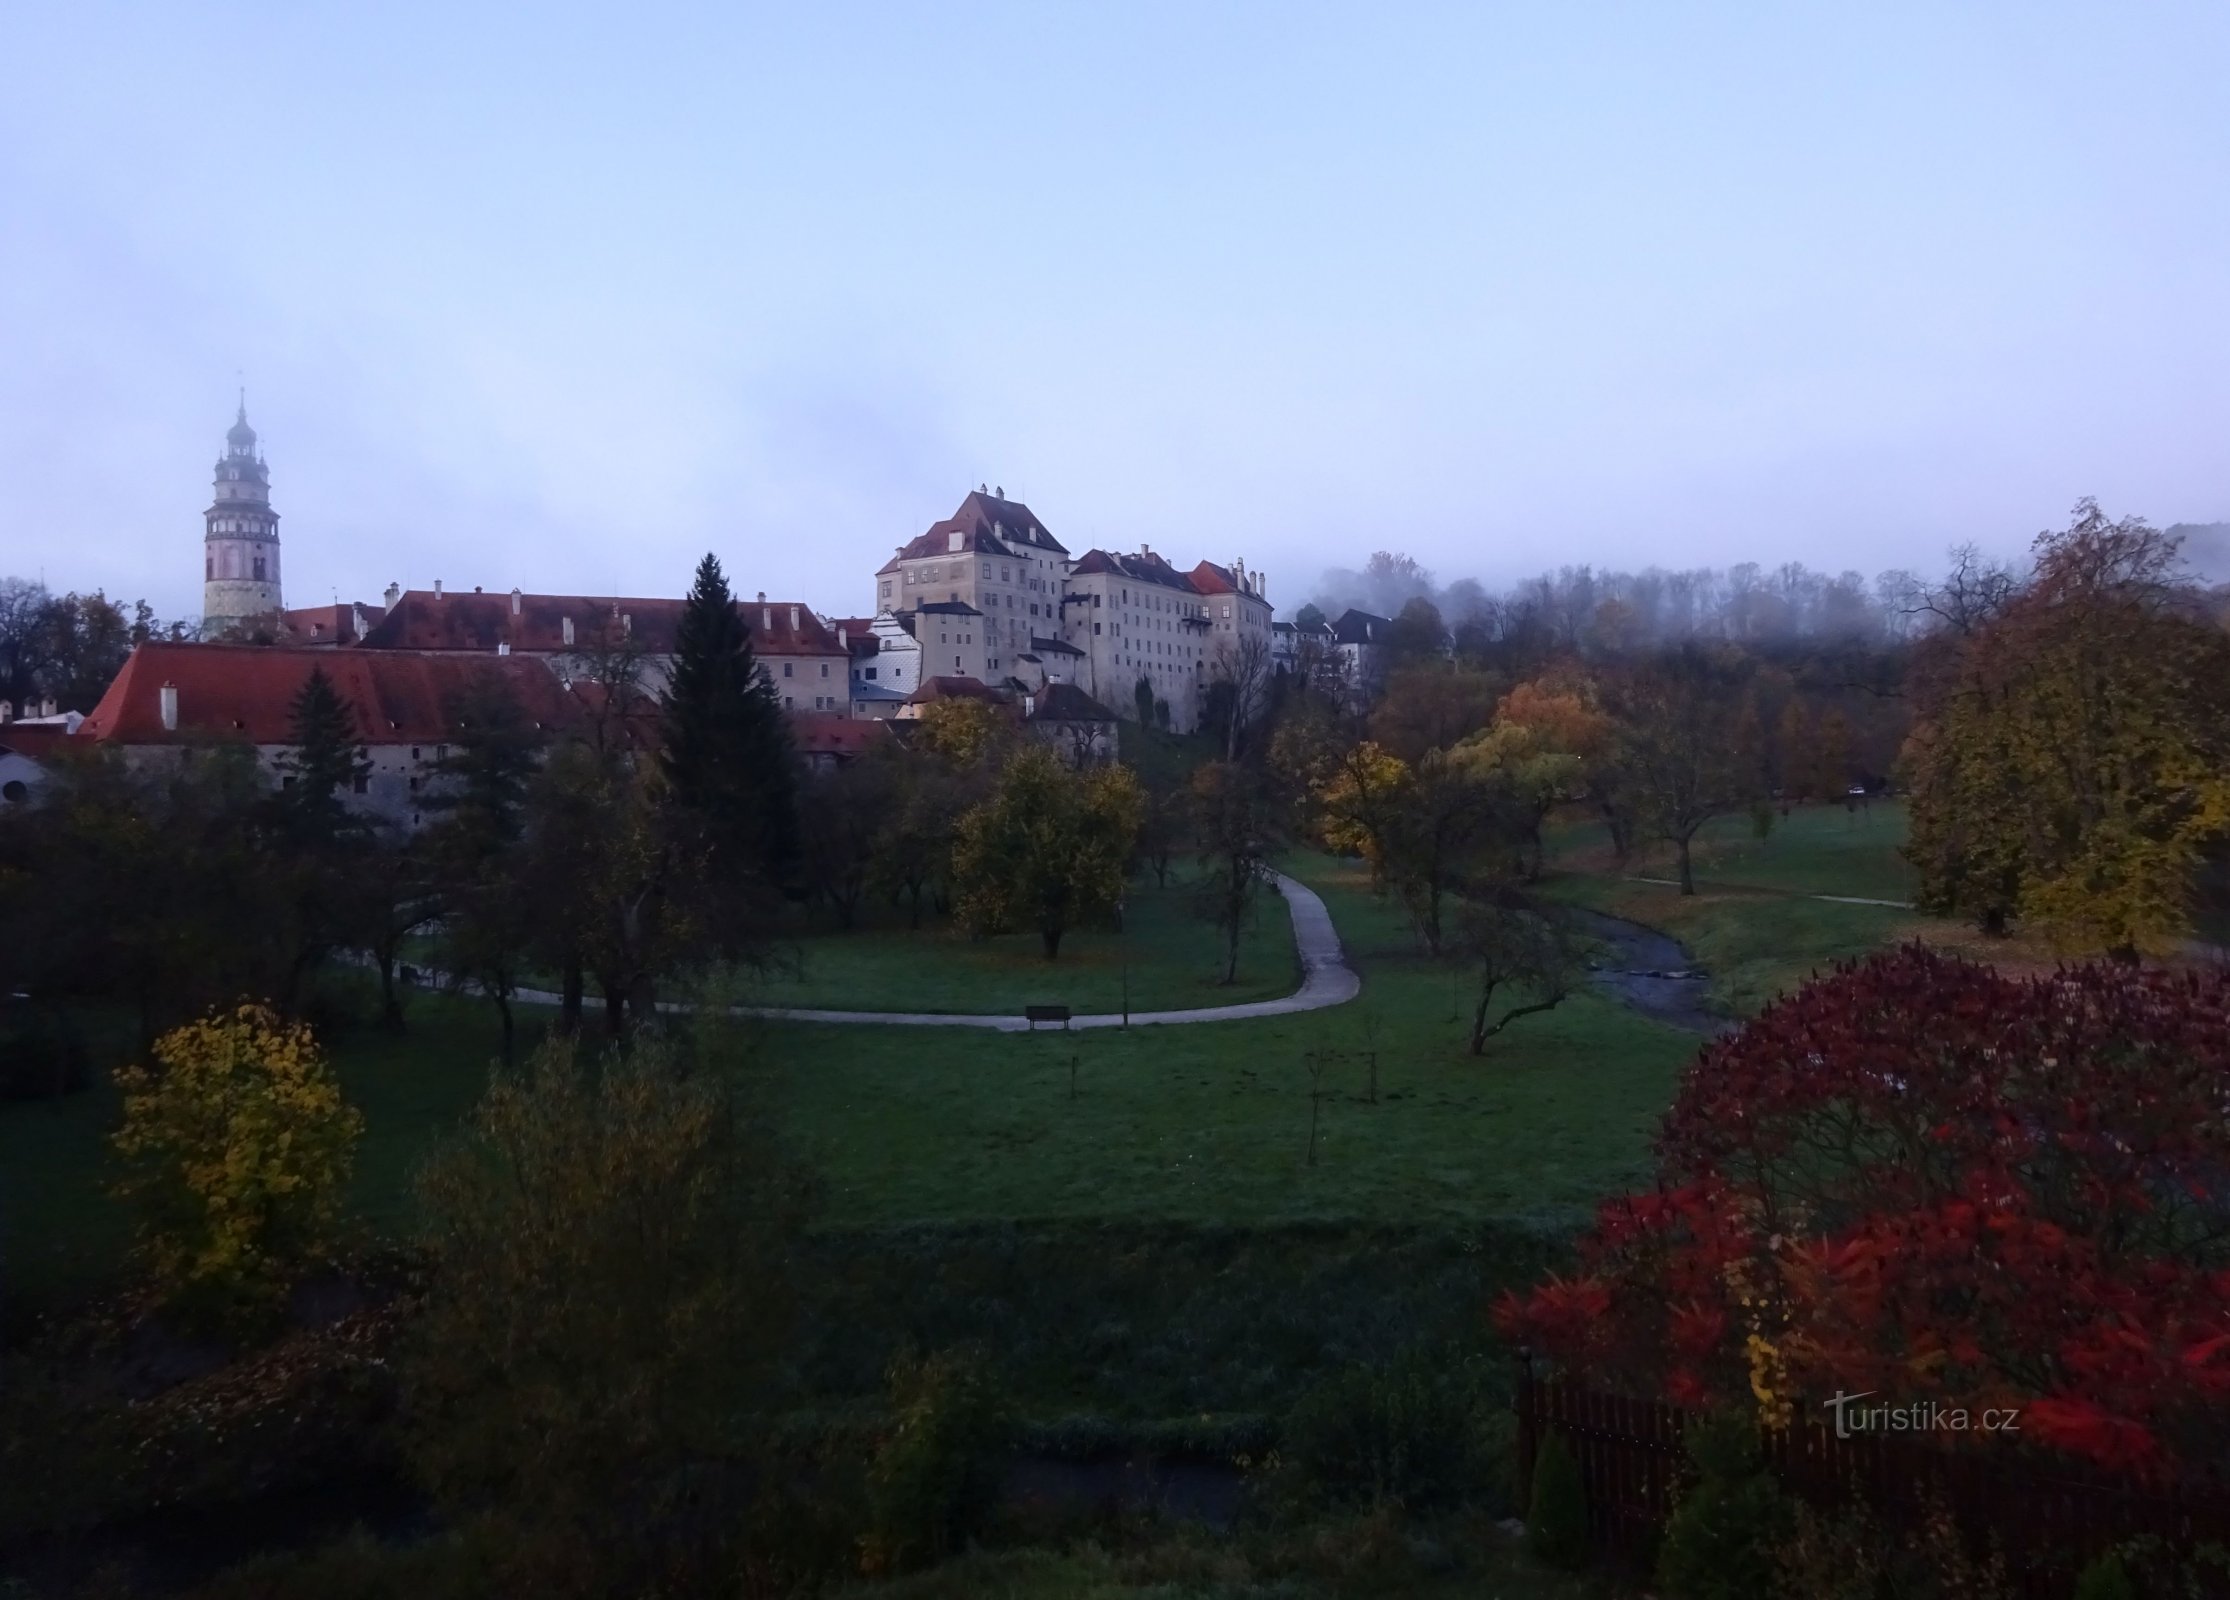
(1210, 1123)
(1175, 961)
(1749, 924)
(1201, 1124)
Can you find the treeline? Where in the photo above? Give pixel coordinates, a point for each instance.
(67, 647)
(1604, 611)
(2063, 731)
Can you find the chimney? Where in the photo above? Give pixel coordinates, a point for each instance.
(7, 710)
(476, 589)
(514, 600)
(437, 588)
(46, 708)
(567, 626)
(627, 623)
(1144, 548)
(842, 643)
(762, 597)
(793, 619)
(170, 708)
(394, 593)
(766, 617)
(503, 647)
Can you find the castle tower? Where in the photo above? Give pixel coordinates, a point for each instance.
(240, 551)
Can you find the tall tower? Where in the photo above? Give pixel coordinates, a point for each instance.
(240, 551)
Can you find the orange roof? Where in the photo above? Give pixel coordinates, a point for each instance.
(817, 733)
(534, 624)
(247, 692)
(335, 624)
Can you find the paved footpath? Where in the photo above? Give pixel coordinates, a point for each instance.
(1326, 980)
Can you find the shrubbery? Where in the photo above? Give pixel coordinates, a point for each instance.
(936, 1474)
(1416, 1433)
(235, 1147)
(1721, 1541)
(1556, 1516)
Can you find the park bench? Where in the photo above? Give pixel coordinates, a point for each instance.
(1038, 1014)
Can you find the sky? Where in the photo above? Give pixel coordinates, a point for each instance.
(562, 297)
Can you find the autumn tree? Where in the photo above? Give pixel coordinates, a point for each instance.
(842, 813)
(1048, 849)
(609, 1298)
(1432, 706)
(1686, 746)
(2073, 765)
(235, 1146)
(2018, 1204)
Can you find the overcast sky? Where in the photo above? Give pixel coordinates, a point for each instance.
(563, 305)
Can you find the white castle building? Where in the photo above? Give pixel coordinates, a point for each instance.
(240, 545)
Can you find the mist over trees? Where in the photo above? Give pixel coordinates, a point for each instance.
(1593, 610)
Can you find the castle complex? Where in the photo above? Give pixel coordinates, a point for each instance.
(986, 600)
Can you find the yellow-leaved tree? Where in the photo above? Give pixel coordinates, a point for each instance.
(235, 1146)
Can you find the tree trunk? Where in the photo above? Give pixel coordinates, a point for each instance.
(569, 1009)
(1479, 1021)
(1052, 937)
(615, 1009)
(390, 1004)
(1687, 867)
(1231, 967)
(510, 1027)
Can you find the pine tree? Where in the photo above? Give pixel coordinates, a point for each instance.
(727, 755)
(326, 761)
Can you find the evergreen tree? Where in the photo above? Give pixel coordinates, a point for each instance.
(727, 757)
(485, 778)
(326, 762)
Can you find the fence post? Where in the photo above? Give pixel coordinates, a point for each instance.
(1528, 1437)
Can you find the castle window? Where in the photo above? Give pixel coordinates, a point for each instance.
(788, 669)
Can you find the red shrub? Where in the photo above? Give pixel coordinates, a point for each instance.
(1921, 1178)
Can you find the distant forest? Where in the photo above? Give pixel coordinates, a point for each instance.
(1590, 609)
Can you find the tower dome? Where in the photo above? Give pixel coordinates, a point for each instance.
(240, 543)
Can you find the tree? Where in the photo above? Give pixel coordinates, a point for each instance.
(325, 762)
(843, 813)
(727, 758)
(1432, 706)
(1142, 696)
(1511, 944)
(1310, 618)
(235, 1150)
(1417, 634)
(474, 848)
(1238, 690)
(2073, 766)
(1048, 849)
(1687, 746)
(2019, 1204)
(1237, 825)
(607, 1309)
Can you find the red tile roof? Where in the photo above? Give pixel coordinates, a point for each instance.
(955, 689)
(39, 742)
(818, 733)
(534, 624)
(335, 624)
(986, 524)
(247, 692)
(1145, 567)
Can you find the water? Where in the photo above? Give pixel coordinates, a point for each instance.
(1650, 972)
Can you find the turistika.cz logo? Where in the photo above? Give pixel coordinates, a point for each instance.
(1919, 1416)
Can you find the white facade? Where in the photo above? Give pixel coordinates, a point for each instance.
(240, 539)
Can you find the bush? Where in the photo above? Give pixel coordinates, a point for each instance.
(1412, 1434)
(1557, 1519)
(235, 1150)
(936, 1474)
(1722, 1540)
(1830, 1557)
(2105, 1579)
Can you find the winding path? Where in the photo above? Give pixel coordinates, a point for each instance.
(1326, 980)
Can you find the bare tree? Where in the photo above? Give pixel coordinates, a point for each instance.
(1239, 688)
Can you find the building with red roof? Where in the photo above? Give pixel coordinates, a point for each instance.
(404, 707)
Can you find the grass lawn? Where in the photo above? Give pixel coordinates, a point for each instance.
(1818, 849)
(1204, 1124)
(62, 1236)
(1210, 1123)
(1175, 961)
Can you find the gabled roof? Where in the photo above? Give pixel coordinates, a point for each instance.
(334, 624)
(955, 689)
(1145, 567)
(948, 608)
(822, 733)
(1054, 647)
(37, 742)
(987, 525)
(534, 624)
(1065, 702)
(1209, 578)
(1359, 627)
(247, 692)
(863, 690)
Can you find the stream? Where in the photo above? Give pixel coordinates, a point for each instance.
(1649, 972)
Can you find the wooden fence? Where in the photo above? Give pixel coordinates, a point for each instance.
(2048, 1516)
